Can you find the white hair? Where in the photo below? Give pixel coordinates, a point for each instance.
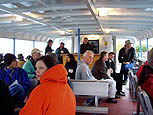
(86, 53)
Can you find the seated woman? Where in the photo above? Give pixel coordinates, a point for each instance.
(146, 76)
(71, 65)
(52, 96)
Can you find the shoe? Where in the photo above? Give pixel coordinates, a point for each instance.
(120, 93)
(110, 100)
(124, 82)
(89, 102)
(86, 104)
(117, 96)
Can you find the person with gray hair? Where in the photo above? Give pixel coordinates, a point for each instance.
(146, 76)
(100, 72)
(83, 72)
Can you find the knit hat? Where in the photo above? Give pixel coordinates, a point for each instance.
(8, 58)
(128, 42)
(150, 58)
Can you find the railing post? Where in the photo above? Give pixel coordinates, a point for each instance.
(78, 44)
(33, 43)
(14, 46)
(140, 49)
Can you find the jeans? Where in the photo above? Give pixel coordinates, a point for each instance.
(124, 70)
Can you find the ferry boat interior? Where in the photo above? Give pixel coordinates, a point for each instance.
(105, 22)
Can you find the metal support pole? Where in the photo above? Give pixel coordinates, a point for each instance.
(147, 45)
(14, 46)
(33, 43)
(78, 44)
(140, 49)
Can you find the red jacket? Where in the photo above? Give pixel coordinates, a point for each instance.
(146, 80)
(140, 69)
(53, 96)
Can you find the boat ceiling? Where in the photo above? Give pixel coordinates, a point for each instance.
(41, 20)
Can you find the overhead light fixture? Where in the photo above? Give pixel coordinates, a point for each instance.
(107, 30)
(102, 11)
(19, 18)
(62, 32)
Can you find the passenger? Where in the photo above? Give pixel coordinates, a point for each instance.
(52, 55)
(111, 65)
(6, 101)
(71, 65)
(146, 77)
(83, 72)
(61, 50)
(1, 61)
(85, 46)
(21, 60)
(16, 78)
(126, 57)
(140, 69)
(53, 96)
(29, 66)
(29, 57)
(49, 47)
(99, 71)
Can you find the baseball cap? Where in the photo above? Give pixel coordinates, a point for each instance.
(35, 50)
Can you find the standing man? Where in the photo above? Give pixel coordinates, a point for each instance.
(126, 57)
(111, 65)
(85, 46)
(99, 71)
(48, 48)
(61, 50)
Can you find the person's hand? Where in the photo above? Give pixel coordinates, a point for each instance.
(127, 62)
(14, 89)
(111, 70)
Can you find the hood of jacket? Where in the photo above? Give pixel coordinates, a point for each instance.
(57, 73)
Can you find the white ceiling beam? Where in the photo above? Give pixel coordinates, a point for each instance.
(14, 1)
(62, 6)
(124, 4)
(93, 12)
(26, 16)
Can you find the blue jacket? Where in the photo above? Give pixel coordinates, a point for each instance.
(10, 75)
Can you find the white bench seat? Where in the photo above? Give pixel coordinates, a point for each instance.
(85, 109)
(96, 88)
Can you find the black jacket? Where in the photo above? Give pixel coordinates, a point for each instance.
(122, 57)
(84, 47)
(110, 64)
(48, 49)
(99, 70)
(71, 69)
(6, 101)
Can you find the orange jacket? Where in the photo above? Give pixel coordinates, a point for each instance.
(53, 96)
